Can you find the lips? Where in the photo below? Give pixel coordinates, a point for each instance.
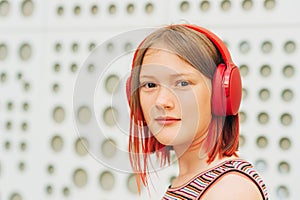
(167, 120)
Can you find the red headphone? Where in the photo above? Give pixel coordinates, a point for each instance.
(226, 84)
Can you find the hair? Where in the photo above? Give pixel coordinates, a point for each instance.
(197, 50)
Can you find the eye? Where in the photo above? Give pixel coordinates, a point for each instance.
(149, 85)
(182, 83)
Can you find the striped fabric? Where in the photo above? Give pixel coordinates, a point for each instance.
(197, 186)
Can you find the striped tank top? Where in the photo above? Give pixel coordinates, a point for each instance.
(195, 188)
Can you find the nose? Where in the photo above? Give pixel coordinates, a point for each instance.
(165, 99)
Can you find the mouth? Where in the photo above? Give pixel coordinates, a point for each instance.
(167, 120)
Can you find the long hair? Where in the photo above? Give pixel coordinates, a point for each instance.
(197, 50)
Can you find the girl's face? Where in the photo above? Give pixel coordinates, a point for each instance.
(174, 97)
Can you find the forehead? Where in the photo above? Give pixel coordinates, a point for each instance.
(165, 60)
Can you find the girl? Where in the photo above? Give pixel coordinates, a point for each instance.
(184, 94)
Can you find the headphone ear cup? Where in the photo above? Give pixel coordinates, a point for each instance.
(218, 101)
(227, 90)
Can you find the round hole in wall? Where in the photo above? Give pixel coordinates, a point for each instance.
(56, 67)
(49, 189)
(21, 166)
(58, 47)
(91, 68)
(131, 184)
(225, 5)
(244, 47)
(23, 146)
(244, 93)
(242, 140)
(285, 143)
(27, 8)
(15, 196)
(288, 71)
(290, 47)
(269, 4)
(92, 46)
(55, 87)
(242, 116)
(244, 70)
(75, 47)
(60, 10)
(265, 70)
(149, 8)
(66, 191)
(107, 180)
(74, 67)
(263, 118)
(247, 4)
(8, 125)
(4, 8)
(111, 83)
(80, 178)
(81, 146)
(261, 165)
(57, 143)
(284, 167)
(58, 114)
(26, 86)
(7, 145)
(10, 105)
(287, 95)
(3, 77)
(84, 114)
(264, 94)
(130, 8)
(108, 148)
(283, 192)
(50, 169)
(3, 51)
(24, 126)
(128, 47)
(77, 10)
(262, 142)
(112, 9)
(267, 47)
(204, 6)
(94, 9)
(110, 116)
(25, 52)
(286, 119)
(184, 6)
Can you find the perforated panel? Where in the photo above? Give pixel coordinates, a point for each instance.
(63, 111)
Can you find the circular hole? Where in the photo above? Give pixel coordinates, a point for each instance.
(149, 8)
(25, 52)
(57, 143)
(244, 93)
(287, 95)
(66, 191)
(75, 47)
(247, 4)
(26, 86)
(110, 47)
(107, 180)
(131, 184)
(81, 146)
(27, 8)
(265, 70)
(7, 145)
(92, 46)
(262, 142)
(77, 10)
(184, 6)
(244, 70)
(283, 192)
(21, 166)
(264, 94)
(23, 146)
(225, 5)
(204, 6)
(4, 8)
(58, 114)
(84, 114)
(24, 126)
(112, 9)
(288, 71)
(8, 125)
(286, 119)
(128, 47)
(242, 140)
(3, 77)
(110, 116)
(50, 169)
(285, 143)
(266, 47)
(111, 83)
(58, 47)
(261, 165)
(94, 9)
(263, 118)
(91, 68)
(55, 87)
(15, 196)
(290, 47)
(242, 116)
(80, 178)
(3, 51)
(49, 189)
(108, 148)
(130, 8)
(10, 105)
(270, 4)
(284, 167)
(19, 76)
(244, 47)
(57, 67)
(60, 10)
(74, 68)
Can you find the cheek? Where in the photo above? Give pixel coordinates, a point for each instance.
(146, 103)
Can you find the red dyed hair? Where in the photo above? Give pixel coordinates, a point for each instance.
(197, 50)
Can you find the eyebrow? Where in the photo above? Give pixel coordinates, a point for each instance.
(172, 75)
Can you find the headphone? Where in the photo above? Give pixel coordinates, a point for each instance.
(226, 84)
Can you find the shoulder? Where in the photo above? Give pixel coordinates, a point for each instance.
(233, 186)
